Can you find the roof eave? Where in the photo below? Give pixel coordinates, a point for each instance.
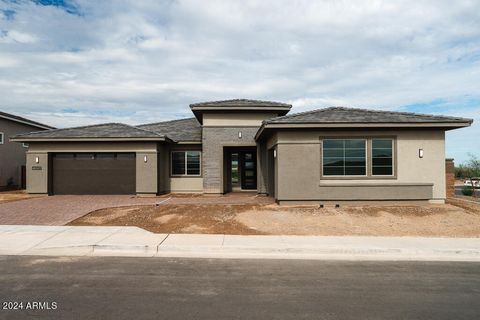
(32, 124)
(349, 125)
(30, 139)
(199, 110)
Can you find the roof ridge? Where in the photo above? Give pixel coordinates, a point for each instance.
(400, 112)
(369, 111)
(93, 126)
(301, 113)
(239, 100)
(174, 120)
(145, 130)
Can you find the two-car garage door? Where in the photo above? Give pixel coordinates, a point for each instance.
(93, 173)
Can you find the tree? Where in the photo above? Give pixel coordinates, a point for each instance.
(473, 165)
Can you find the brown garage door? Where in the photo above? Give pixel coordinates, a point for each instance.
(93, 173)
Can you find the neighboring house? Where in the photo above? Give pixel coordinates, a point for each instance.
(330, 154)
(12, 154)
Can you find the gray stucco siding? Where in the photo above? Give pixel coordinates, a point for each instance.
(12, 154)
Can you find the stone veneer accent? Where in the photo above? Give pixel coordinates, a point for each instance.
(214, 139)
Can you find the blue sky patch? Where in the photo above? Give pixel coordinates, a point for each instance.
(66, 5)
(8, 14)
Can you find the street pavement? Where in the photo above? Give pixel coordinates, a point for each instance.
(171, 288)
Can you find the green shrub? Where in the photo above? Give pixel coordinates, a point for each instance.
(467, 191)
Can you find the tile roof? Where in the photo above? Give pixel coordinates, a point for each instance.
(240, 103)
(354, 115)
(178, 130)
(24, 120)
(106, 130)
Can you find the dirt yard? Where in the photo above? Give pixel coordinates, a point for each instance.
(8, 196)
(450, 220)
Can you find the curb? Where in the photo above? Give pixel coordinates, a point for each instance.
(390, 254)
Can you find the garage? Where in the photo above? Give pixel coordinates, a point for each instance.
(92, 173)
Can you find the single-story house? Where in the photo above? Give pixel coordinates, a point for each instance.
(12, 155)
(331, 154)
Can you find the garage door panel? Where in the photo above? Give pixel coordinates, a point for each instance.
(93, 175)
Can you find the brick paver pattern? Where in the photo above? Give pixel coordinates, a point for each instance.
(59, 210)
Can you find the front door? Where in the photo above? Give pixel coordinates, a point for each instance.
(248, 163)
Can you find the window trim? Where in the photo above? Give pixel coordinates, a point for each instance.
(369, 168)
(2, 138)
(348, 176)
(186, 175)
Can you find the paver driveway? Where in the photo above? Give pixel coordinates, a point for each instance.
(59, 210)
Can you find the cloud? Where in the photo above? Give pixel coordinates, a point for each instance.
(147, 60)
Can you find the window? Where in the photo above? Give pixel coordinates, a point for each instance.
(344, 157)
(382, 157)
(1, 137)
(185, 163)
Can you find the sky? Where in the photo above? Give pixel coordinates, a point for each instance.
(70, 63)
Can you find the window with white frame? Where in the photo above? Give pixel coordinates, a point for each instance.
(2, 138)
(344, 157)
(185, 163)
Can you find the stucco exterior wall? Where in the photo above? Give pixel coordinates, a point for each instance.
(37, 173)
(186, 184)
(146, 173)
(298, 167)
(219, 119)
(12, 154)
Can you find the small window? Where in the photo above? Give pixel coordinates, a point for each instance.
(2, 137)
(185, 163)
(344, 157)
(382, 157)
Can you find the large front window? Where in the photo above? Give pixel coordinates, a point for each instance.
(185, 163)
(344, 157)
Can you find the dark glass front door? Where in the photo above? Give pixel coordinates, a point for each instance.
(248, 163)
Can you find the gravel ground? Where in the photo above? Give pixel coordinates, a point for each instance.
(449, 220)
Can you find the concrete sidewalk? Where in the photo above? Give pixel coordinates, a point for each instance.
(136, 242)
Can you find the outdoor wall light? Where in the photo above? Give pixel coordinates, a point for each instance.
(37, 160)
(274, 153)
(145, 159)
(240, 135)
(420, 153)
